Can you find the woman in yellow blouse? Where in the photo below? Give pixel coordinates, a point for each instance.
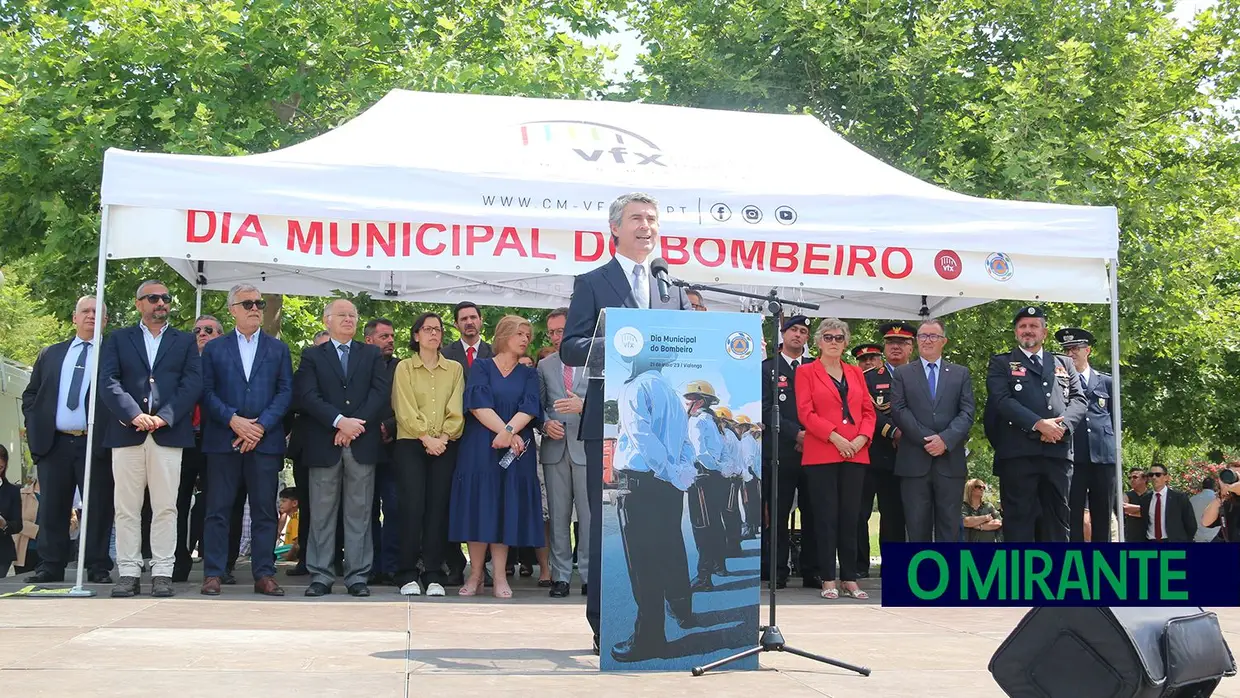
(427, 396)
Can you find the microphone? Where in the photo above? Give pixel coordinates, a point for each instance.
(658, 269)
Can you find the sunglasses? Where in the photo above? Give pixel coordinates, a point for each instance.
(1151, 475)
(979, 487)
(157, 298)
(250, 305)
(837, 338)
(207, 330)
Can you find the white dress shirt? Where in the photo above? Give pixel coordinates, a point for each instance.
(1154, 497)
(152, 342)
(67, 419)
(1032, 354)
(249, 350)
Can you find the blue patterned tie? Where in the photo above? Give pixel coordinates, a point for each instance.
(931, 378)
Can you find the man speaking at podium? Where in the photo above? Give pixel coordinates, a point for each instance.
(623, 282)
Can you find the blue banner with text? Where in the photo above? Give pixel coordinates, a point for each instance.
(1061, 574)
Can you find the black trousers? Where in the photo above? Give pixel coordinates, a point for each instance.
(932, 505)
(650, 523)
(835, 489)
(732, 516)
(1034, 488)
(62, 471)
(423, 487)
(594, 488)
(193, 464)
(710, 492)
(1092, 483)
(792, 482)
(885, 486)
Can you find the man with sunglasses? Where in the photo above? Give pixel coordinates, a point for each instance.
(150, 378)
(247, 388)
(1166, 514)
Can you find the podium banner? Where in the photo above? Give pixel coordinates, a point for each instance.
(682, 491)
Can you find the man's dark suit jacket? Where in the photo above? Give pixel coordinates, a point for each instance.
(129, 386)
(40, 398)
(949, 415)
(604, 287)
(1094, 440)
(1019, 395)
(789, 421)
(1180, 524)
(456, 352)
(265, 396)
(322, 391)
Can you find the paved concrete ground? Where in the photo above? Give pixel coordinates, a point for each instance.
(531, 645)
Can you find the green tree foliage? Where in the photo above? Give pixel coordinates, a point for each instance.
(24, 329)
(1088, 102)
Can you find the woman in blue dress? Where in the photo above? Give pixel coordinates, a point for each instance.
(491, 505)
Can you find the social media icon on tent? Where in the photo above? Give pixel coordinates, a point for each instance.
(720, 212)
(785, 215)
(752, 214)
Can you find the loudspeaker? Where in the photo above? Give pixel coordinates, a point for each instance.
(1057, 652)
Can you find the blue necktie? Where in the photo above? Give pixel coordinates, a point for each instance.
(79, 374)
(344, 358)
(930, 378)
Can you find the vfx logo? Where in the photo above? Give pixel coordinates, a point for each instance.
(593, 142)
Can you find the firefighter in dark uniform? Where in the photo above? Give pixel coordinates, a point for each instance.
(789, 357)
(880, 479)
(1036, 404)
(1093, 444)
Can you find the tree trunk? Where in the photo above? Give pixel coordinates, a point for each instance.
(271, 318)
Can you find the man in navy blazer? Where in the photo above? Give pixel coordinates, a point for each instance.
(150, 378)
(623, 282)
(247, 386)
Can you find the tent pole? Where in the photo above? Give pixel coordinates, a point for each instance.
(92, 369)
(197, 301)
(1115, 401)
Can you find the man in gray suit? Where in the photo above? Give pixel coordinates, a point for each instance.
(564, 459)
(932, 404)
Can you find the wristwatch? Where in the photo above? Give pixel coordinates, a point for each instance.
(508, 428)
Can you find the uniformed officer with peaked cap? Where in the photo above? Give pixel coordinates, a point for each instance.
(881, 482)
(782, 401)
(1093, 443)
(1034, 406)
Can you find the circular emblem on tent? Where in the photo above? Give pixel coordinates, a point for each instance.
(628, 342)
(751, 214)
(785, 215)
(740, 345)
(999, 266)
(721, 212)
(947, 264)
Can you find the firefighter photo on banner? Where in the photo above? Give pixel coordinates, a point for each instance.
(682, 494)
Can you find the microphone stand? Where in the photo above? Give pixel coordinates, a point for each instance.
(771, 640)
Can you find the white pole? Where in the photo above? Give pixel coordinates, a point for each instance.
(197, 300)
(1115, 401)
(92, 369)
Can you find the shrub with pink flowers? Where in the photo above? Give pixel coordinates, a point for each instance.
(1188, 476)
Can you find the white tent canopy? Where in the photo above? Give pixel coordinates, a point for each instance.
(502, 200)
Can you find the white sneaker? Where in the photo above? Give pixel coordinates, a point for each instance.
(434, 589)
(411, 589)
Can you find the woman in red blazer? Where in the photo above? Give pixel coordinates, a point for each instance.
(834, 405)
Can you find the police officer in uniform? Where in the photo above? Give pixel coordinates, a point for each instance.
(1034, 406)
(708, 497)
(880, 478)
(1093, 444)
(784, 364)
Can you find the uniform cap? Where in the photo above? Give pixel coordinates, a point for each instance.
(1074, 337)
(863, 350)
(795, 321)
(1028, 311)
(897, 330)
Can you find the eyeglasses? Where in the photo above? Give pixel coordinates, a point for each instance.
(930, 337)
(431, 329)
(250, 305)
(206, 329)
(157, 298)
(838, 338)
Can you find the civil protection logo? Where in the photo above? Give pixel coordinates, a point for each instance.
(999, 266)
(628, 342)
(740, 345)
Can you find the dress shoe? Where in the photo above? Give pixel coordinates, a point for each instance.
(99, 578)
(455, 579)
(359, 589)
(781, 583)
(585, 589)
(318, 589)
(559, 590)
(812, 582)
(211, 586)
(863, 574)
(161, 587)
(633, 650)
(596, 650)
(379, 580)
(228, 578)
(267, 587)
(126, 587)
(45, 577)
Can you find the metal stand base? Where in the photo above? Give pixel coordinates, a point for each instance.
(773, 641)
(79, 592)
